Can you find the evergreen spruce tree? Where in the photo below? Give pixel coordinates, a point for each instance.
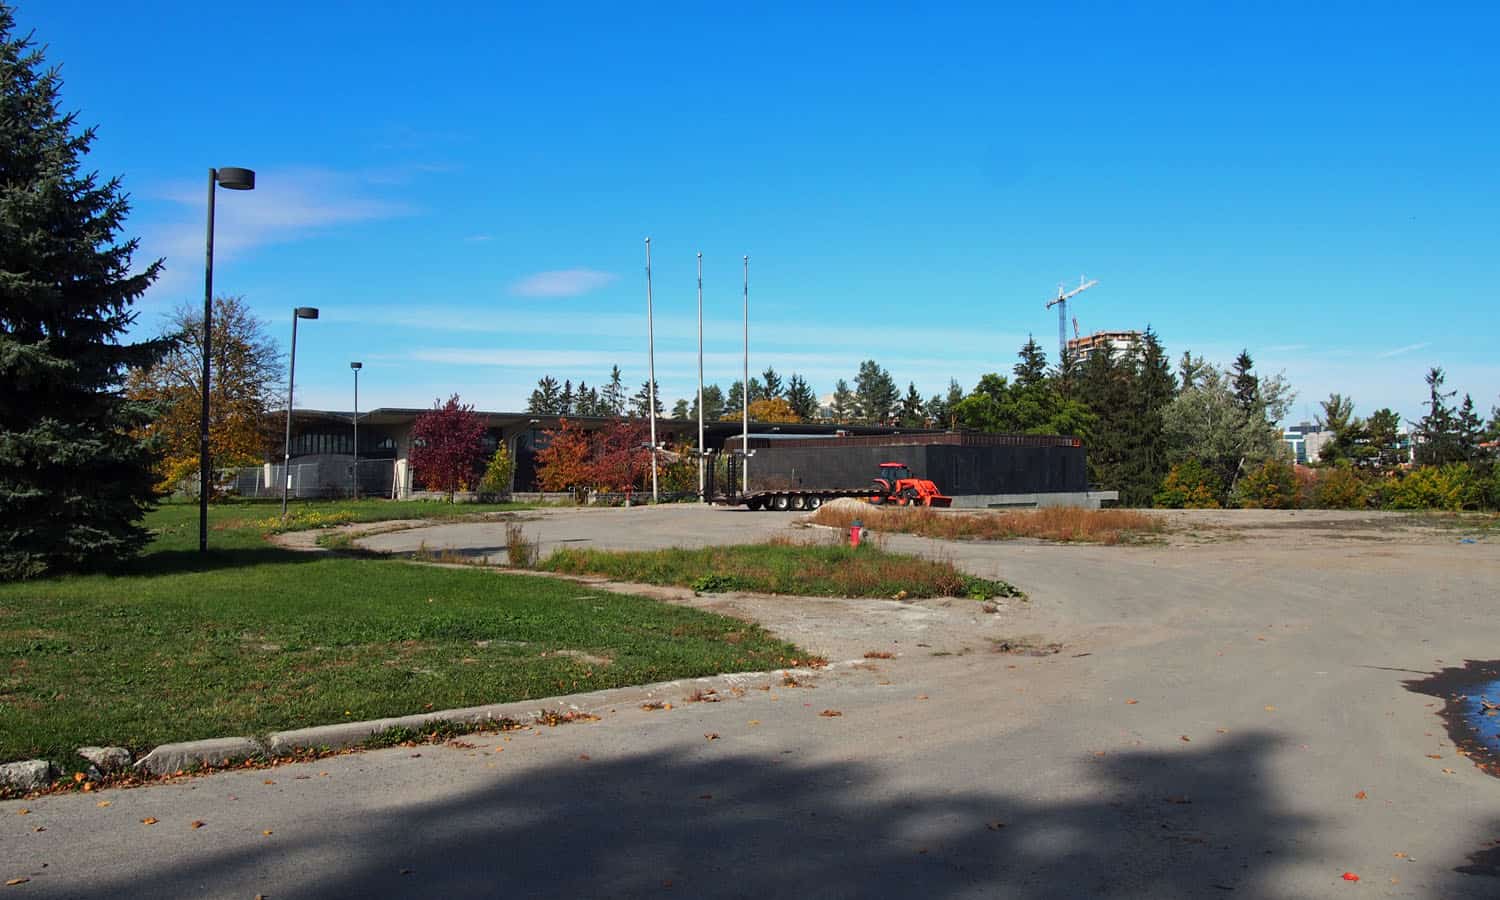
(74, 483)
(843, 403)
(566, 400)
(913, 415)
(613, 395)
(772, 387)
(1151, 386)
(1437, 431)
(801, 398)
(546, 399)
(875, 392)
(641, 402)
(1246, 385)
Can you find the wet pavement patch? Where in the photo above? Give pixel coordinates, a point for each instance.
(1471, 709)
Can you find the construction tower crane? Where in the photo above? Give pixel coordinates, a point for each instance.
(1061, 302)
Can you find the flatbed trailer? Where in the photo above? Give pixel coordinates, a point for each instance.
(791, 499)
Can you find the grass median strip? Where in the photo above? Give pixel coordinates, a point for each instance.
(783, 567)
(251, 638)
(1057, 523)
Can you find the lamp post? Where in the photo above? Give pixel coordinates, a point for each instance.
(235, 179)
(356, 366)
(301, 312)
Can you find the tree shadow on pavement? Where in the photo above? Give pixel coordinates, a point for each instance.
(700, 822)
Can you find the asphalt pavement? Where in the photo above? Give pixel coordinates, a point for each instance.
(1222, 714)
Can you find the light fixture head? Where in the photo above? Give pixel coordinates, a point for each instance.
(307, 312)
(356, 365)
(235, 178)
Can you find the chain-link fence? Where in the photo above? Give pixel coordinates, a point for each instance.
(321, 478)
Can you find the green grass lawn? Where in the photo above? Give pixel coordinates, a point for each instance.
(252, 638)
(782, 567)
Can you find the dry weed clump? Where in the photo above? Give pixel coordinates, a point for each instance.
(1051, 523)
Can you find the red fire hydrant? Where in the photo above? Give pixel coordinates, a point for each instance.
(856, 532)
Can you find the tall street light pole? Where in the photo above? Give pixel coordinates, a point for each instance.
(301, 312)
(651, 373)
(235, 179)
(356, 366)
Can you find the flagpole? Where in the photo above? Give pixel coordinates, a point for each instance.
(745, 394)
(651, 372)
(702, 495)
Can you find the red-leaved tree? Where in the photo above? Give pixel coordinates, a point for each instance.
(565, 463)
(620, 458)
(445, 448)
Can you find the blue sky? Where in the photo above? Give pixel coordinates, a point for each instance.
(464, 192)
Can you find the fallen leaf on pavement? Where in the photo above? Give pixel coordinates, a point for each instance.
(1447, 771)
(585, 757)
(1360, 795)
(23, 811)
(1270, 709)
(1131, 702)
(267, 832)
(15, 881)
(1399, 855)
(149, 820)
(1350, 876)
(755, 721)
(712, 736)
(102, 804)
(922, 697)
(1434, 756)
(1185, 739)
(994, 826)
(830, 713)
(1222, 730)
(195, 824)
(268, 781)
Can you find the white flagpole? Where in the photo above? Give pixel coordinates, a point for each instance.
(702, 495)
(651, 372)
(745, 394)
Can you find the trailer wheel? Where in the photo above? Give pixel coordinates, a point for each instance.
(814, 502)
(754, 503)
(781, 502)
(799, 502)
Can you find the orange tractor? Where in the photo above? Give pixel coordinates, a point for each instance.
(895, 484)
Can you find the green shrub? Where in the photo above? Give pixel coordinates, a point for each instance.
(1189, 485)
(1340, 487)
(1451, 487)
(497, 474)
(1272, 485)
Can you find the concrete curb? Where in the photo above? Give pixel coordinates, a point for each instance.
(34, 775)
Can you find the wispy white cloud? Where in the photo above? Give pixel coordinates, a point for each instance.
(561, 283)
(286, 205)
(1407, 349)
(476, 238)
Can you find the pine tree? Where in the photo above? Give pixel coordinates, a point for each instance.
(565, 400)
(1468, 430)
(546, 399)
(583, 399)
(641, 402)
(713, 404)
(801, 398)
(1190, 370)
(1246, 385)
(613, 395)
(940, 409)
(1150, 388)
(74, 479)
(681, 410)
(875, 392)
(913, 415)
(843, 404)
(772, 387)
(1436, 431)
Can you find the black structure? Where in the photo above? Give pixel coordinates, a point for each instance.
(960, 464)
